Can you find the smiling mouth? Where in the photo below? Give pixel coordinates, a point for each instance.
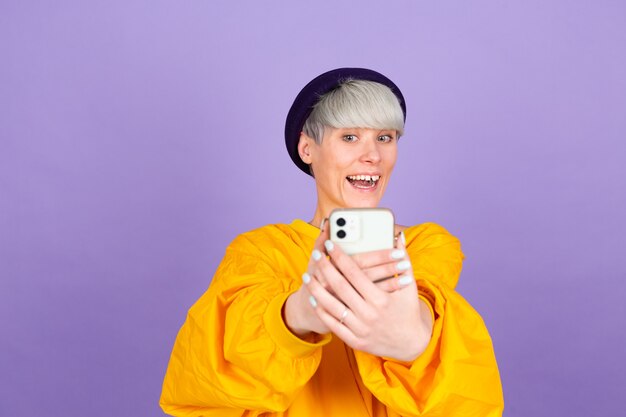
(363, 181)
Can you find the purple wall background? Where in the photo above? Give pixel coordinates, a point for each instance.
(137, 138)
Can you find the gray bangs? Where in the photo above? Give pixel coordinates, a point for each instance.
(356, 104)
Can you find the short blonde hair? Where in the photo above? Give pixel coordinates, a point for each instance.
(355, 103)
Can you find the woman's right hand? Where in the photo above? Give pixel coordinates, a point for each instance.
(378, 266)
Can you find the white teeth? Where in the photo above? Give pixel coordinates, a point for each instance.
(364, 177)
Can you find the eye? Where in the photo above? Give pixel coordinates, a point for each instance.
(349, 138)
(385, 138)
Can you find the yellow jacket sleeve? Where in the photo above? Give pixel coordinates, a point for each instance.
(234, 352)
(457, 374)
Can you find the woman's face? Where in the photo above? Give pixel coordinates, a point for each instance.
(352, 166)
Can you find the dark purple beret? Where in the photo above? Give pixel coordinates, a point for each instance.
(310, 95)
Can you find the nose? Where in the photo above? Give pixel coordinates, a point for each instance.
(371, 153)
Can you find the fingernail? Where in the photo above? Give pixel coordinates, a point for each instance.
(397, 254)
(317, 255)
(405, 280)
(323, 224)
(329, 245)
(403, 238)
(306, 278)
(403, 266)
(313, 301)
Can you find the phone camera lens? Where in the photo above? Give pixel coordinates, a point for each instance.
(341, 234)
(341, 222)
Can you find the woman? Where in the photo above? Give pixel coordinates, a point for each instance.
(291, 325)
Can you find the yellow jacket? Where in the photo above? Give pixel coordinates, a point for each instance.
(234, 356)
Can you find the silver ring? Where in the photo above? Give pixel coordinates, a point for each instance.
(343, 315)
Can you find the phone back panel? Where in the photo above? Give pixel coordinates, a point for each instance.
(362, 230)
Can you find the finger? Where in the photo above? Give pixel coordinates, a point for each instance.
(396, 283)
(407, 278)
(401, 240)
(404, 276)
(343, 330)
(349, 269)
(326, 304)
(380, 257)
(322, 237)
(340, 286)
(341, 324)
(318, 252)
(388, 270)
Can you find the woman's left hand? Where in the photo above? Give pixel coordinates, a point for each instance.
(367, 316)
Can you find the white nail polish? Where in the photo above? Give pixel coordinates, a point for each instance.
(306, 278)
(403, 238)
(403, 266)
(405, 280)
(329, 245)
(397, 254)
(322, 224)
(317, 255)
(313, 301)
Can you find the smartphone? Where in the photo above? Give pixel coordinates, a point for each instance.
(362, 229)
